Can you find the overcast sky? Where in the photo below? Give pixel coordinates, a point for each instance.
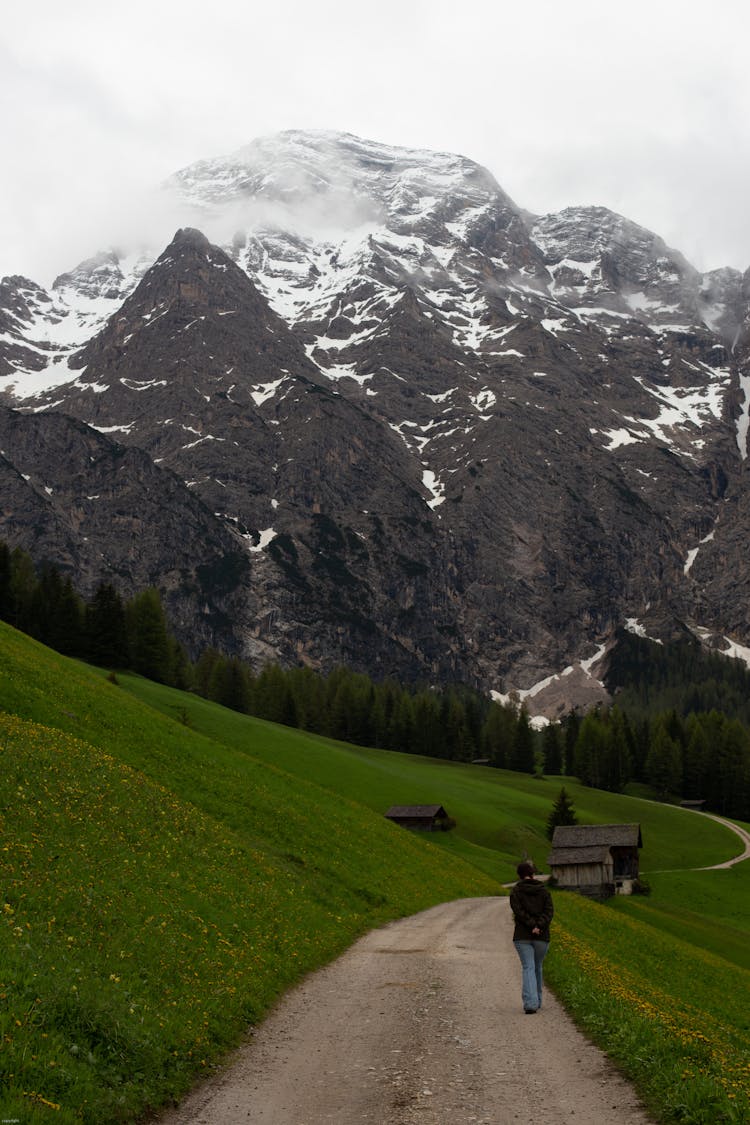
(643, 107)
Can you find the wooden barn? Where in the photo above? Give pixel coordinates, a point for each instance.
(598, 860)
(427, 818)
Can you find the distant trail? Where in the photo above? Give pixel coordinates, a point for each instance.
(741, 832)
(419, 1023)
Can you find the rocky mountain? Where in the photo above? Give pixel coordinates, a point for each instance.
(98, 508)
(432, 435)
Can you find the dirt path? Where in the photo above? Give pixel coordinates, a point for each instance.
(743, 835)
(419, 1023)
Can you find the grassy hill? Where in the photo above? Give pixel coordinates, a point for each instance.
(160, 889)
(169, 867)
(500, 814)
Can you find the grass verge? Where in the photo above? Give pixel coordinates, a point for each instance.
(673, 1017)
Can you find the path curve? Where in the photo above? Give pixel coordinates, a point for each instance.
(741, 832)
(419, 1023)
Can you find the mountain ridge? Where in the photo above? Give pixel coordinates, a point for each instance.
(454, 440)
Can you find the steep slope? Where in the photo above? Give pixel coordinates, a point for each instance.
(198, 371)
(455, 439)
(100, 510)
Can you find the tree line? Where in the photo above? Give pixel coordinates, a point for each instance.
(683, 676)
(455, 723)
(107, 630)
(702, 756)
(134, 634)
(690, 749)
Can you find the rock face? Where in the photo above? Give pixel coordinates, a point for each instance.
(440, 437)
(100, 509)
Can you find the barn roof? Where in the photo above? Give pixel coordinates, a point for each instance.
(597, 835)
(591, 843)
(415, 811)
(567, 857)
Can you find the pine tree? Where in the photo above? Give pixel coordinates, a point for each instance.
(70, 619)
(42, 605)
(229, 684)
(105, 629)
(641, 742)
(713, 729)
(616, 763)
(148, 638)
(497, 734)
(590, 751)
(552, 749)
(204, 671)
(182, 675)
(429, 732)
(273, 697)
(56, 613)
(562, 813)
(359, 709)
(571, 726)
(402, 725)
(696, 759)
(308, 692)
(732, 765)
(5, 583)
(522, 756)
(22, 586)
(340, 708)
(379, 717)
(460, 746)
(664, 764)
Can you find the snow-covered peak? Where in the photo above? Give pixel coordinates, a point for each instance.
(584, 234)
(329, 225)
(40, 331)
(599, 258)
(99, 276)
(333, 181)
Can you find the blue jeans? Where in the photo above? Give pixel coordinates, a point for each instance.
(532, 954)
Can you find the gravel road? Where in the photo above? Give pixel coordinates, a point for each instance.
(744, 836)
(419, 1023)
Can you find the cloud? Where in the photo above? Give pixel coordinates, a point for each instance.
(642, 109)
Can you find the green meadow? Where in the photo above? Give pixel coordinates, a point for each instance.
(500, 815)
(169, 868)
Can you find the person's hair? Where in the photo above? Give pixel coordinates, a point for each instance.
(525, 870)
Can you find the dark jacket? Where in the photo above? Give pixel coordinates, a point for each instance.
(531, 904)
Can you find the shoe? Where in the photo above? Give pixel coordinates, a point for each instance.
(530, 1011)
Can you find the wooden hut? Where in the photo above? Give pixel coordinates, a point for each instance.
(427, 818)
(598, 860)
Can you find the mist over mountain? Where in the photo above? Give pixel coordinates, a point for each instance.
(365, 409)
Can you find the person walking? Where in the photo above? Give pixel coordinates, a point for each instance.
(533, 909)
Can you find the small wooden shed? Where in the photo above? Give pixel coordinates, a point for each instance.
(598, 860)
(427, 818)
